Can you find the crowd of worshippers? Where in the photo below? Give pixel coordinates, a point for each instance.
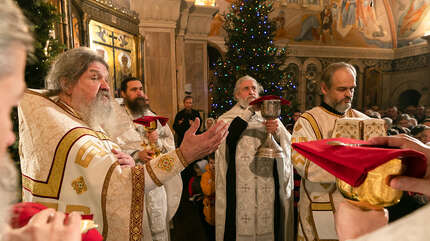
(412, 120)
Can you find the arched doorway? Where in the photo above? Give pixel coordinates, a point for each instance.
(409, 97)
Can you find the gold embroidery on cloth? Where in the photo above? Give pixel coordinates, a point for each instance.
(166, 163)
(152, 174)
(49, 205)
(314, 125)
(299, 139)
(50, 188)
(87, 152)
(297, 127)
(79, 185)
(181, 157)
(297, 159)
(78, 208)
(102, 136)
(317, 132)
(137, 203)
(321, 206)
(104, 196)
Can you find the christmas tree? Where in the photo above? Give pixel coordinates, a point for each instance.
(251, 51)
(42, 16)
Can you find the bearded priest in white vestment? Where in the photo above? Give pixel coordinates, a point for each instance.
(318, 192)
(253, 196)
(70, 164)
(162, 202)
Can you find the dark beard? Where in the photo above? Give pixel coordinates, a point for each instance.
(138, 105)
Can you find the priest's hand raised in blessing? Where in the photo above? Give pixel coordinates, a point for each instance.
(195, 147)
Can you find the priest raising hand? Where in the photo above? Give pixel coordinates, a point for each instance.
(75, 120)
(195, 146)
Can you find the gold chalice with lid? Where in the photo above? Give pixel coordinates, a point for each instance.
(374, 192)
(151, 146)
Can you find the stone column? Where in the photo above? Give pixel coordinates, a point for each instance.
(158, 19)
(195, 60)
(180, 51)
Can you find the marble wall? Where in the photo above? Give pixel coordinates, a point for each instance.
(160, 81)
(196, 73)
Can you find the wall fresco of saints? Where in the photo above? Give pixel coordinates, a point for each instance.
(352, 23)
(118, 48)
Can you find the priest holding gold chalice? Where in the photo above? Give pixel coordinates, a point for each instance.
(150, 143)
(146, 136)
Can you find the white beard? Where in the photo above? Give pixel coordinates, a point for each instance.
(97, 113)
(8, 190)
(244, 103)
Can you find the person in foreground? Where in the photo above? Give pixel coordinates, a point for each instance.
(69, 163)
(353, 222)
(15, 42)
(318, 193)
(253, 195)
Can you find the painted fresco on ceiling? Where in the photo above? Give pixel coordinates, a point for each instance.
(360, 23)
(413, 20)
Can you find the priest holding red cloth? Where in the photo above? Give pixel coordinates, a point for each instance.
(318, 193)
(355, 223)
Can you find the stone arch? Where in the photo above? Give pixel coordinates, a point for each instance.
(408, 97)
(291, 60)
(409, 84)
(301, 87)
(312, 71)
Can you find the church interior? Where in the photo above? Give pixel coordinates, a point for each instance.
(173, 46)
(171, 43)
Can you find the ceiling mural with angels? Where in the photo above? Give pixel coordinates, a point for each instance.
(349, 23)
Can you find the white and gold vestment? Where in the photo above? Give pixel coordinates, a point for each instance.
(255, 184)
(318, 193)
(68, 166)
(162, 202)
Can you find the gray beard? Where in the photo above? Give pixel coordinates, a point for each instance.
(98, 112)
(342, 107)
(8, 190)
(244, 103)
